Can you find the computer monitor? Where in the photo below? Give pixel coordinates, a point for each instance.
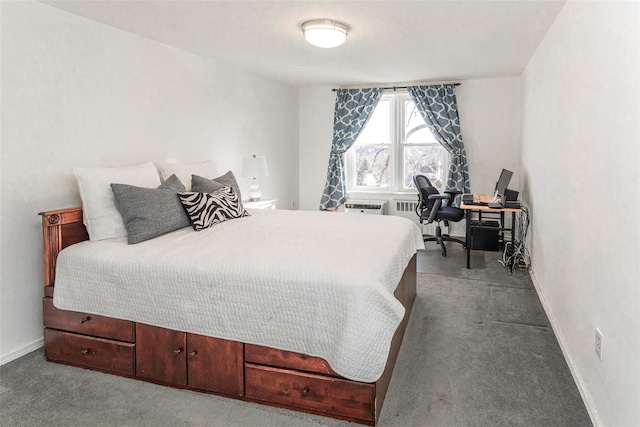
(499, 197)
(503, 182)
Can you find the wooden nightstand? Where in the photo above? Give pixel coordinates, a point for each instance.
(262, 204)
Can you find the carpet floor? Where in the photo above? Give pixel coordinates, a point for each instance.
(479, 351)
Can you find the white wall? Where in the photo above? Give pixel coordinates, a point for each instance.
(581, 169)
(316, 131)
(79, 93)
(489, 118)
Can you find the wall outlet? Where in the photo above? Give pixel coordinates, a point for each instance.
(599, 343)
(293, 204)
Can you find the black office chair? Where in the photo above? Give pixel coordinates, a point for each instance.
(430, 208)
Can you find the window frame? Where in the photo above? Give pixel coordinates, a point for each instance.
(397, 146)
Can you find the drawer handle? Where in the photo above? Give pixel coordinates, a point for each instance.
(193, 353)
(177, 351)
(305, 392)
(86, 351)
(85, 319)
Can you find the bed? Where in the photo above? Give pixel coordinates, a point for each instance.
(179, 285)
(258, 328)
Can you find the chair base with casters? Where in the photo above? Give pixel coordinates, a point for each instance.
(441, 238)
(430, 209)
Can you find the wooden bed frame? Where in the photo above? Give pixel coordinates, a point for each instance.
(200, 363)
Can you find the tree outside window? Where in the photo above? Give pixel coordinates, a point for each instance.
(395, 145)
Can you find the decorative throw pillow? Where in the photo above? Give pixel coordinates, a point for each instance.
(150, 212)
(101, 216)
(208, 209)
(184, 170)
(204, 185)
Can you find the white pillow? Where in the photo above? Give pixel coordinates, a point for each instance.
(101, 216)
(184, 171)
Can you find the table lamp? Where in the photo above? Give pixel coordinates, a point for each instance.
(254, 167)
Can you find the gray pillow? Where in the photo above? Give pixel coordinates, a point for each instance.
(150, 212)
(205, 185)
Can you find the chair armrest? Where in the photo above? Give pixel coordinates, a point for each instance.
(438, 196)
(435, 208)
(452, 195)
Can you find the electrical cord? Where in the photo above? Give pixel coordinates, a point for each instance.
(516, 255)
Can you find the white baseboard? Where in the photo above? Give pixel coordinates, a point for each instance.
(586, 397)
(6, 358)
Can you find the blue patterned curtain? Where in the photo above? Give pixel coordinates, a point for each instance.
(353, 109)
(439, 109)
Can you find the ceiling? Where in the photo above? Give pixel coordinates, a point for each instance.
(390, 42)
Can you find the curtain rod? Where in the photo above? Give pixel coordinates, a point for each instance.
(401, 87)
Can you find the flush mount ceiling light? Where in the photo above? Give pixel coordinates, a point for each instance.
(324, 32)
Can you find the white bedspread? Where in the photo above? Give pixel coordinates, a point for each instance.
(312, 282)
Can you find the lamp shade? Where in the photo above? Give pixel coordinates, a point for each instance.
(254, 167)
(325, 32)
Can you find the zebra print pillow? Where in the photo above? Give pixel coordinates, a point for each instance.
(208, 209)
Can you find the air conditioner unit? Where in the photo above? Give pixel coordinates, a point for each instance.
(368, 207)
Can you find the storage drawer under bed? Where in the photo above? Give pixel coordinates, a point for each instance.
(87, 324)
(260, 355)
(310, 391)
(89, 352)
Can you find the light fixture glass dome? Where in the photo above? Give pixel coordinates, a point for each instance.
(325, 32)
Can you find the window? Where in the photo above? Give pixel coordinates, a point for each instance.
(395, 145)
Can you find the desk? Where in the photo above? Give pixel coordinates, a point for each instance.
(470, 210)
